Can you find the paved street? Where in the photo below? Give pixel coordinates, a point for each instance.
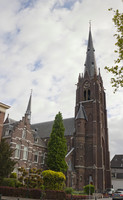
(16, 198)
(19, 198)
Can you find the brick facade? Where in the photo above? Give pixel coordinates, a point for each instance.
(29, 151)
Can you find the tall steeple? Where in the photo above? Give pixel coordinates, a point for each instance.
(90, 63)
(28, 111)
(92, 157)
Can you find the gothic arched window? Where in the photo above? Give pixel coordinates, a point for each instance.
(89, 94)
(85, 95)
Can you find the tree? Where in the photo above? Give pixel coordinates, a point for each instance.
(57, 147)
(117, 69)
(31, 178)
(6, 163)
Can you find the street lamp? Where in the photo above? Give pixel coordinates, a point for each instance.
(28, 181)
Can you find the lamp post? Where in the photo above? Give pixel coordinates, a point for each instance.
(71, 177)
(28, 181)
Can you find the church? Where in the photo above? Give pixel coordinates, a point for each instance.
(86, 133)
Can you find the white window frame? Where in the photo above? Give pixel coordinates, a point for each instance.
(17, 151)
(25, 153)
(42, 158)
(36, 154)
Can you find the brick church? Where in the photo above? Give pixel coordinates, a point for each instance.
(88, 156)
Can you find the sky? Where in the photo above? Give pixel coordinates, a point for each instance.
(43, 48)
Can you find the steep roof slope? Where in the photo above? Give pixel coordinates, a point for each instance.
(117, 161)
(44, 129)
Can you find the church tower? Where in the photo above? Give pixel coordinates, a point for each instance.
(92, 159)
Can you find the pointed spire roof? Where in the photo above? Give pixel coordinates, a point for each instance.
(90, 63)
(81, 113)
(28, 111)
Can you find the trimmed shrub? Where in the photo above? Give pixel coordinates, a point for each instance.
(69, 190)
(89, 189)
(13, 175)
(53, 180)
(11, 182)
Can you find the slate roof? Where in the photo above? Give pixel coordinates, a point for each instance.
(44, 129)
(81, 113)
(90, 63)
(117, 161)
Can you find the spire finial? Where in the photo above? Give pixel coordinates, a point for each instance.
(90, 25)
(31, 91)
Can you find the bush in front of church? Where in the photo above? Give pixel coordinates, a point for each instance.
(53, 180)
(89, 189)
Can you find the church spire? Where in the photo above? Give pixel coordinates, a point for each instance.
(90, 63)
(28, 111)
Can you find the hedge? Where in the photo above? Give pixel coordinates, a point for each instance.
(36, 194)
(32, 193)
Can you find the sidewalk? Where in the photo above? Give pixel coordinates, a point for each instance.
(16, 198)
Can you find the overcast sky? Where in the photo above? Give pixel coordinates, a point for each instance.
(43, 47)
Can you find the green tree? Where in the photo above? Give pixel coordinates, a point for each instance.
(57, 147)
(117, 69)
(6, 163)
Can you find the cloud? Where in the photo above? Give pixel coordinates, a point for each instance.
(43, 47)
(68, 4)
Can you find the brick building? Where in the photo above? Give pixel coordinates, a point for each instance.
(30, 150)
(88, 156)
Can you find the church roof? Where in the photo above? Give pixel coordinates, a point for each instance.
(44, 129)
(117, 161)
(90, 63)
